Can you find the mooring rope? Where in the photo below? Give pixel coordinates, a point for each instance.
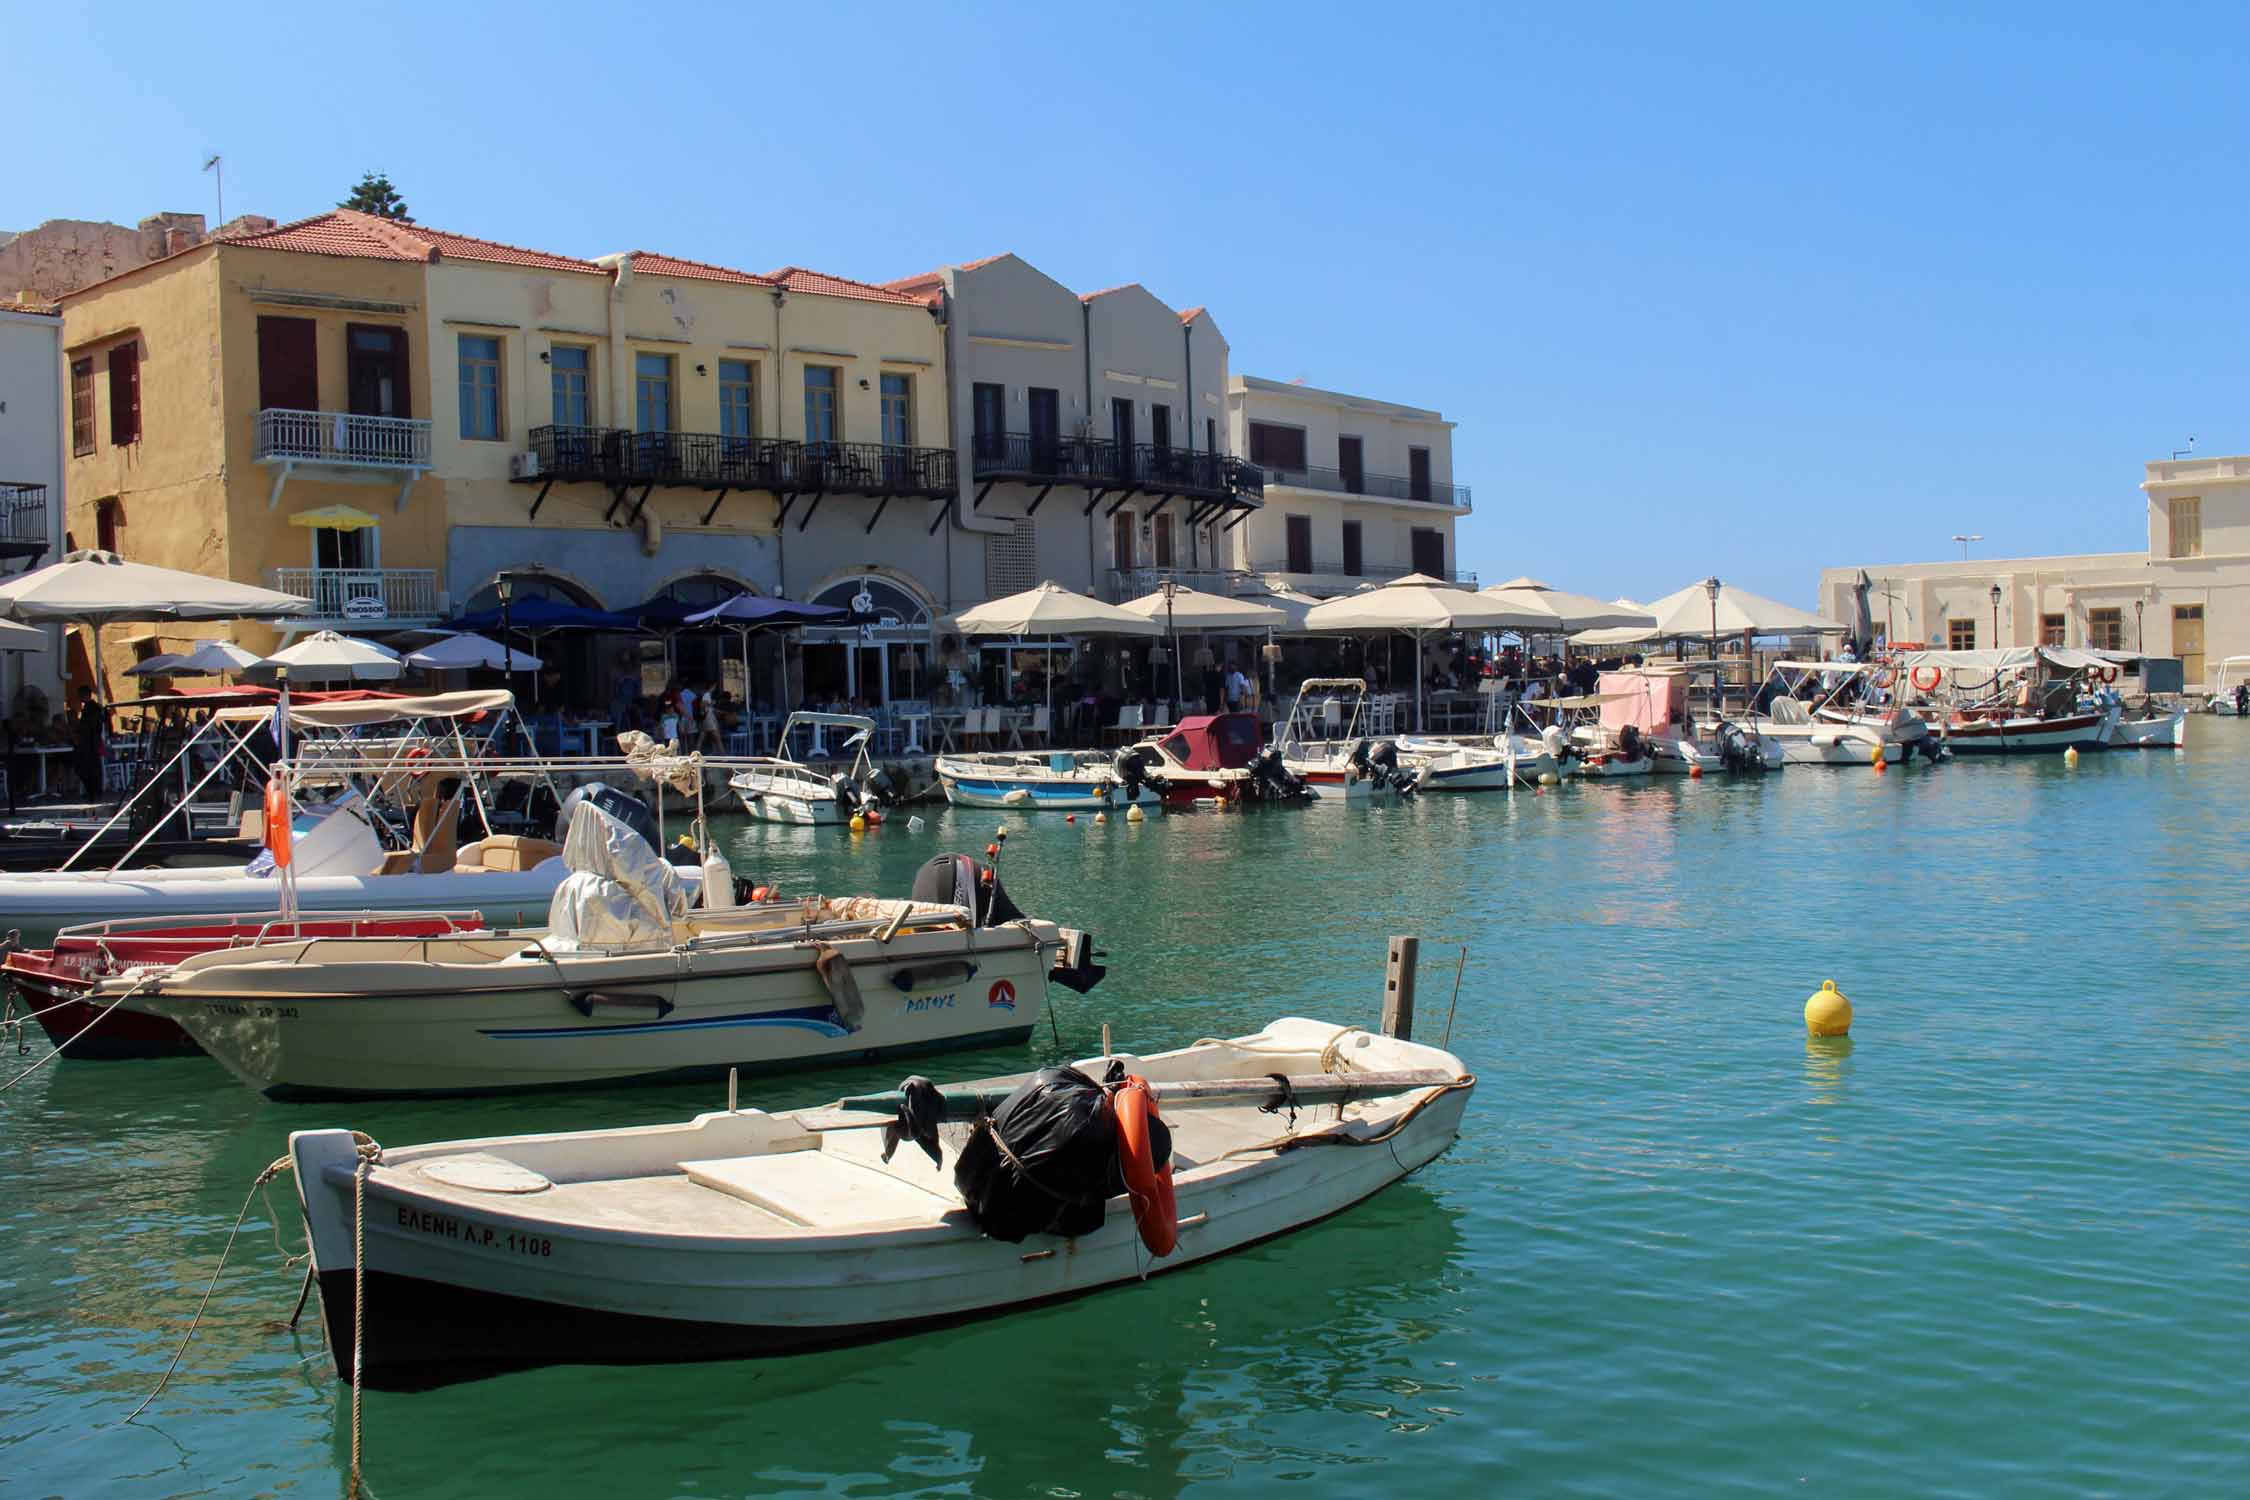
(81, 1031)
(358, 1485)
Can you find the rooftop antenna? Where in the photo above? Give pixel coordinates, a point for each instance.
(219, 177)
(1964, 539)
(2188, 451)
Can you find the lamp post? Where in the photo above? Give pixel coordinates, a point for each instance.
(1964, 538)
(2140, 636)
(505, 587)
(1172, 634)
(1711, 587)
(1996, 614)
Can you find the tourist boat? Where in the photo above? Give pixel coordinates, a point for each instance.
(1839, 725)
(626, 984)
(1212, 758)
(2230, 688)
(1324, 742)
(743, 1232)
(2019, 700)
(1050, 780)
(2150, 727)
(54, 982)
(781, 789)
(1441, 765)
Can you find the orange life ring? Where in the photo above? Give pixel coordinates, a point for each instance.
(2104, 675)
(1885, 676)
(1937, 675)
(277, 823)
(1154, 1208)
(419, 752)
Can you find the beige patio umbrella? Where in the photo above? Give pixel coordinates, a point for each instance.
(1571, 611)
(91, 588)
(1051, 609)
(1712, 608)
(1192, 609)
(1420, 606)
(326, 656)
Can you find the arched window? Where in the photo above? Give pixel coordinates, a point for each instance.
(899, 615)
(704, 589)
(531, 586)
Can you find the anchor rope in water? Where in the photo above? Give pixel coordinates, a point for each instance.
(81, 1031)
(358, 1485)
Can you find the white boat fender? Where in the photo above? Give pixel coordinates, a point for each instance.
(718, 882)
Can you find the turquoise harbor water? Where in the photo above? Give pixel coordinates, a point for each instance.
(1997, 1244)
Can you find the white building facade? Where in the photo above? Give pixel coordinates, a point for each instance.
(2186, 596)
(1356, 490)
(31, 481)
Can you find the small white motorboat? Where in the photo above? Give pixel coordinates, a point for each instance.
(747, 1233)
(1324, 743)
(1836, 725)
(779, 788)
(1441, 765)
(2230, 688)
(626, 984)
(1044, 780)
(2150, 727)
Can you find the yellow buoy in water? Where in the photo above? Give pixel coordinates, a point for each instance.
(2070, 756)
(1877, 757)
(859, 823)
(1549, 778)
(1134, 814)
(1828, 1013)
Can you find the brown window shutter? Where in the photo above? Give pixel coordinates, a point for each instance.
(125, 394)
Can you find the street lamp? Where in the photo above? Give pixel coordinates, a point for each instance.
(2140, 636)
(1996, 614)
(505, 587)
(1171, 632)
(1964, 539)
(1711, 587)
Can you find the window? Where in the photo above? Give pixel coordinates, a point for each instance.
(125, 394)
(898, 410)
(335, 550)
(288, 364)
(82, 406)
(2051, 630)
(1351, 549)
(1299, 533)
(1276, 447)
(376, 372)
(1210, 434)
(571, 375)
(108, 516)
(1160, 541)
(1351, 461)
(1418, 473)
(480, 387)
(1160, 424)
(821, 382)
(1429, 551)
(1121, 538)
(738, 398)
(2105, 629)
(2187, 526)
(989, 410)
(652, 392)
(1046, 426)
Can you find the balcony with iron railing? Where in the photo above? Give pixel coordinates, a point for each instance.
(1099, 462)
(712, 461)
(1332, 575)
(1374, 486)
(1132, 583)
(344, 440)
(23, 520)
(346, 597)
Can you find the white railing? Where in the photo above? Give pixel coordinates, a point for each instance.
(337, 437)
(362, 595)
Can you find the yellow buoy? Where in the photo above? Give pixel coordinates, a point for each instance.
(2070, 756)
(1134, 814)
(1877, 757)
(859, 823)
(1549, 778)
(1828, 1013)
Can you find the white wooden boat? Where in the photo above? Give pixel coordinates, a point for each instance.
(1836, 726)
(778, 788)
(2150, 728)
(2230, 688)
(1441, 765)
(748, 1233)
(1043, 780)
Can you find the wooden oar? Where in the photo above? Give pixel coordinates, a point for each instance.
(1303, 1089)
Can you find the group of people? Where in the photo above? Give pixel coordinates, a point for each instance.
(31, 724)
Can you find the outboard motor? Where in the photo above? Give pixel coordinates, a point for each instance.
(1383, 759)
(847, 793)
(623, 806)
(1272, 781)
(1556, 742)
(876, 788)
(1629, 742)
(1133, 767)
(964, 880)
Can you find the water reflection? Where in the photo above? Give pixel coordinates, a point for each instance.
(1825, 1057)
(1296, 1354)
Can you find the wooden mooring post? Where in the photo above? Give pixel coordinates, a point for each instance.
(1398, 987)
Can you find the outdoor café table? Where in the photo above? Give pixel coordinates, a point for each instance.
(42, 753)
(945, 727)
(915, 722)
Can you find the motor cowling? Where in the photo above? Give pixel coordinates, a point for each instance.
(1271, 779)
(1629, 743)
(964, 880)
(1135, 769)
(623, 806)
(876, 789)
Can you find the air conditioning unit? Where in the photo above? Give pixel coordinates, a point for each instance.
(524, 465)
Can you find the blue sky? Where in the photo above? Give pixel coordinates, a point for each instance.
(1747, 290)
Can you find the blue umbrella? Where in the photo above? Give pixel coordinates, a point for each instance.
(763, 609)
(539, 613)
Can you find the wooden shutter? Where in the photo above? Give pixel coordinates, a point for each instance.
(125, 394)
(1299, 534)
(288, 365)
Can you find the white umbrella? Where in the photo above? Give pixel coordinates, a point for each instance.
(1051, 609)
(1292, 604)
(1571, 611)
(1420, 606)
(1693, 612)
(1192, 609)
(14, 637)
(459, 653)
(148, 666)
(215, 657)
(326, 655)
(91, 587)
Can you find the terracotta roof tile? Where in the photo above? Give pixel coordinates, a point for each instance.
(929, 281)
(1123, 286)
(820, 283)
(1191, 314)
(347, 232)
(650, 263)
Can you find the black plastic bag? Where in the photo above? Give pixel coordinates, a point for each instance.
(1046, 1160)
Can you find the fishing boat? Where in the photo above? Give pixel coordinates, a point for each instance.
(2150, 727)
(54, 982)
(1209, 759)
(2037, 700)
(1324, 743)
(779, 788)
(2230, 688)
(625, 984)
(1833, 713)
(1049, 780)
(744, 1232)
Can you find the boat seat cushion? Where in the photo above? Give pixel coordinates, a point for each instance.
(1789, 711)
(506, 851)
(816, 1189)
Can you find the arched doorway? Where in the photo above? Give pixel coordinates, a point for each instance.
(701, 656)
(579, 669)
(883, 659)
